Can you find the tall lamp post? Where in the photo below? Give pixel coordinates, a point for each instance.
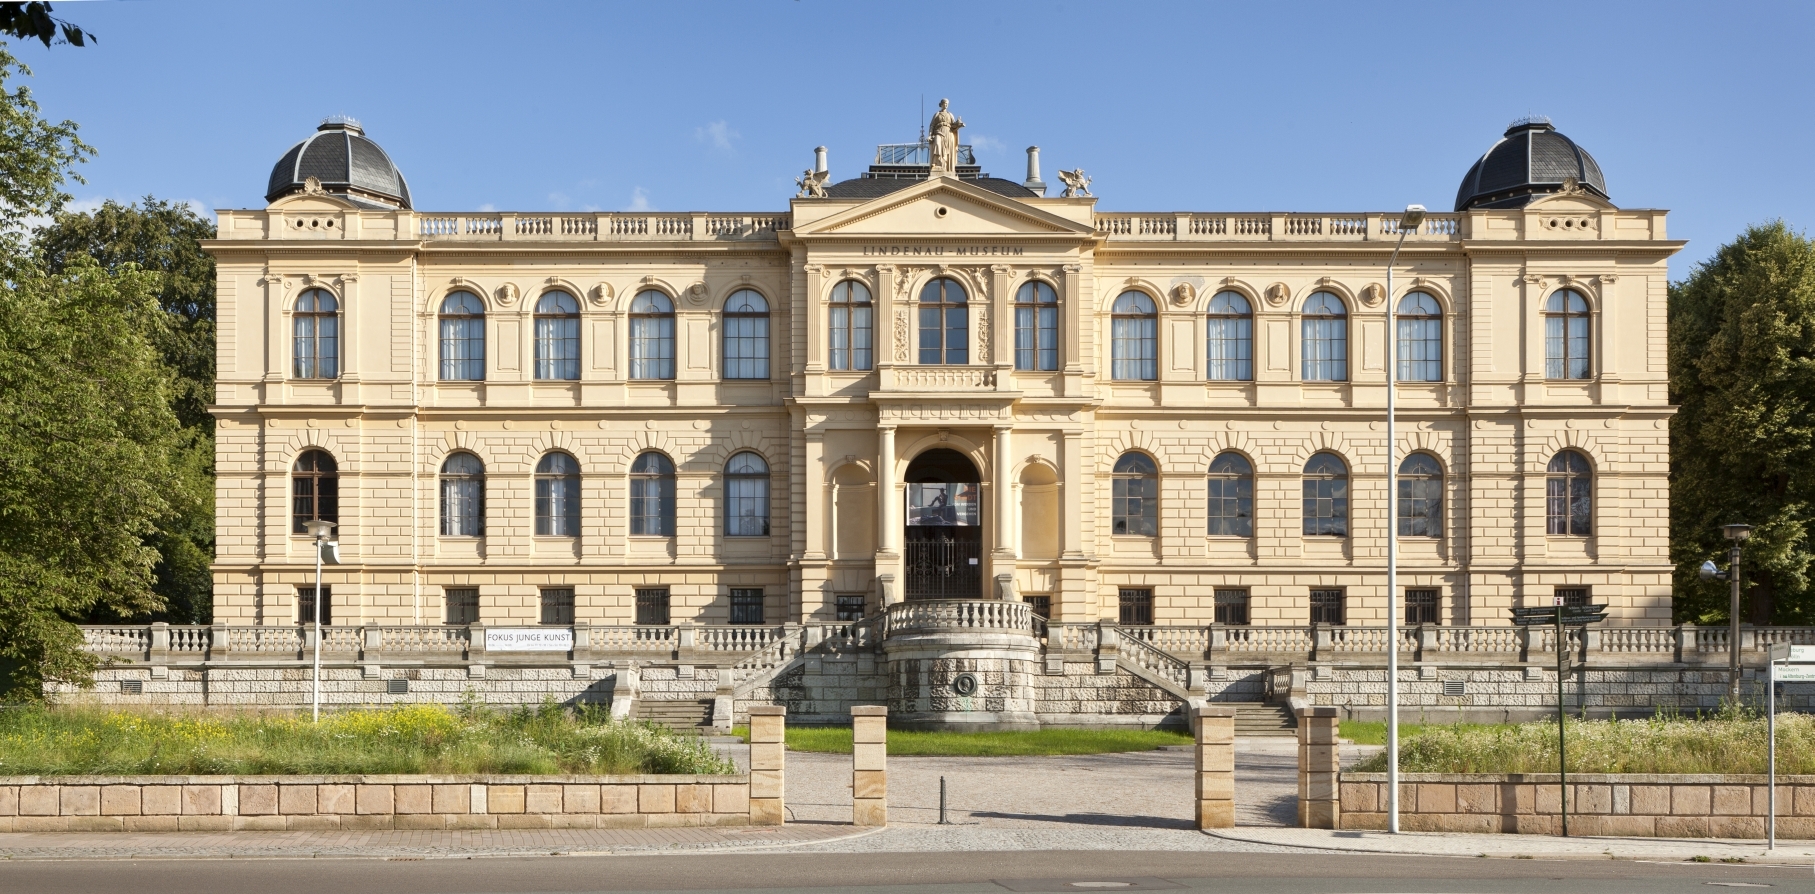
(1737, 534)
(325, 551)
(1408, 223)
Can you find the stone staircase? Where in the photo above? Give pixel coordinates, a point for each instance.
(692, 715)
(1261, 719)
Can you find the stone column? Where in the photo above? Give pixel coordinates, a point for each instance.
(1004, 504)
(767, 724)
(869, 765)
(1318, 763)
(888, 523)
(1215, 729)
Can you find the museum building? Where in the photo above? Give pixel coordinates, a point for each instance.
(925, 382)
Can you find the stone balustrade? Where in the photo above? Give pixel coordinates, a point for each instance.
(1271, 227)
(629, 226)
(934, 616)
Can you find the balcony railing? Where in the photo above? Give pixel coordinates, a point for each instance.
(1267, 227)
(628, 226)
(942, 379)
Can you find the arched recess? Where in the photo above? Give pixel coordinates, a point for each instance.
(853, 512)
(944, 533)
(1039, 512)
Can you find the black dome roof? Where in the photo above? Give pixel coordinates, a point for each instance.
(1531, 160)
(347, 165)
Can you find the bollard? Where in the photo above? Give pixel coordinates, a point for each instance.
(1214, 726)
(942, 820)
(1319, 762)
(869, 765)
(767, 734)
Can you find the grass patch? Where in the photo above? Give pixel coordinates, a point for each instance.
(1373, 732)
(1732, 742)
(408, 739)
(837, 740)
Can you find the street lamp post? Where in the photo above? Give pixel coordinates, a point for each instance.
(1738, 534)
(1408, 223)
(328, 551)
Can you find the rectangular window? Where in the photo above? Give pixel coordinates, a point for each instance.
(1573, 595)
(747, 606)
(850, 607)
(851, 336)
(1231, 349)
(1327, 607)
(557, 605)
(1136, 606)
(1041, 605)
(1134, 349)
(1232, 607)
(1326, 349)
(1036, 337)
(557, 348)
(1421, 607)
(462, 605)
(652, 605)
(746, 346)
(305, 605)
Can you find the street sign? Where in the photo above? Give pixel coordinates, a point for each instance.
(1802, 654)
(1796, 673)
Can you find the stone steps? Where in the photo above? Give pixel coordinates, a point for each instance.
(1259, 719)
(681, 716)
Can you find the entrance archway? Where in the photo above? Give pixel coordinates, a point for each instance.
(943, 539)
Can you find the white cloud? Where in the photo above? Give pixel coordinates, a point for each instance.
(981, 143)
(488, 207)
(639, 201)
(719, 134)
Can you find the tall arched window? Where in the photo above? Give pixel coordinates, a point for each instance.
(1134, 342)
(652, 496)
(1036, 327)
(1325, 345)
(558, 496)
(1420, 345)
(944, 323)
(651, 336)
(746, 335)
(317, 330)
(1420, 496)
(462, 496)
(315, 490)
(1135, 497)
(462, 338)
(1566, 335)
(746, 496)
(1326, 497)
(1231, 496)
(1230, 338)
(1569, 495)
(558, 337)
(851, 322)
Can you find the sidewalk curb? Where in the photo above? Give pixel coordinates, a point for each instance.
(1760, 857)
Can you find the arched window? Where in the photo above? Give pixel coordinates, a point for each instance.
(1566, 335)
(1326, 509)
(1134, 352)
(852, 323)
(317, 329)
(558, 496)
(462, 338)
(315, 488)
(558, 337)
(1136, 496)
(652, 496)
(1569, 496)
(1325, 345)
(1420, 496)
(1231, 496)
(746, 335)
(1036, 327)
(746, 496)
(1230, 338)
(651, 336)
(944, 323)
(462, 496)
(1420, 345)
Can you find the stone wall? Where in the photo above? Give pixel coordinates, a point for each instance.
(1500, 694)
(1599, 804)
(1115, 698)
(344, 687)
(219, 803)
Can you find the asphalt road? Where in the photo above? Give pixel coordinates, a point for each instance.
(944, 873)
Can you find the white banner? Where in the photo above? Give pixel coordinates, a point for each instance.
(528, 639)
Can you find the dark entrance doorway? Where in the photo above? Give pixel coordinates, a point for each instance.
(944, 540)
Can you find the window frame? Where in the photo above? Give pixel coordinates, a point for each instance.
(743, 598)
(1328, 601)
(567, 522)
(320, 482)
(1573, 595)
(941, 312)
(1560, 324)
(755, 341)
(1226, 601)
(1121, 482)
(315, 363)
(476, 499)
(1142, 315)
(1407, 497)
(1423, 332)
(557, 605)
(851, 325)
(735, 482)
(305, 604)
(642, 339)
(1218, 368)
(1324, 328)
(1134, 606)
(1334, 524)
(457, 329)
(557, 337)
(461, 604)
(662, 483)
(654, 606)
(1036, 327)
(1420, 602)
(841, 605)
(1577, 495)
(1217, 497)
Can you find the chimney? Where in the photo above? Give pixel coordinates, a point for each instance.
(1033, 171)
(819, 160)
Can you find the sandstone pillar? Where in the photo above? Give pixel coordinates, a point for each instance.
(888, 523)
(1214, 726)
(1319, 762)
(767, 724)
(869, 765)
(1004, 507)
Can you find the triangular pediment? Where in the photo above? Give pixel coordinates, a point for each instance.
(943, 206)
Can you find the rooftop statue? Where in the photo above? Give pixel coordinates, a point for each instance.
(942, 133)
(1076, 184)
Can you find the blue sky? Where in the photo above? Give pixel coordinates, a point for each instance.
(1701, 109)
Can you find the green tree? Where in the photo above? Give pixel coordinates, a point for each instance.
(36, 158)
(33, 21)
(1742, 445)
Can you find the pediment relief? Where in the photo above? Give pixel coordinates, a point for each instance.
(944, 207)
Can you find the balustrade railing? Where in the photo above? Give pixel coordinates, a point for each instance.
(1155, 661)
(935, 615)
(1258, 640)
(423, 639)
(116, 640)
(736, 639)
(1491, 640)
(1207, 226)
(1071, 637)
(1191, 641)
(940, 378)
(598, 226)
(633, 639)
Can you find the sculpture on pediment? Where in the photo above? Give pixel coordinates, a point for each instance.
(1076, 184)
(942, 136)
(812, 184)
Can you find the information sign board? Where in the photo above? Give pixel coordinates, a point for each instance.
(528, 639)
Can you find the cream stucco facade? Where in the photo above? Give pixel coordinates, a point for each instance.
(838, 443)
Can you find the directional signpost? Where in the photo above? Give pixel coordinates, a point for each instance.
(1562, 616)
(1799, 669)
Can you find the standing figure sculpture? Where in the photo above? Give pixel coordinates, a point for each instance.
(942, 133)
